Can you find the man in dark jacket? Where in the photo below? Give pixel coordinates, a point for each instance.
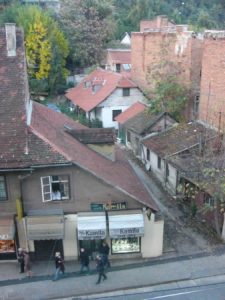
(104, 251)
(84, 260)
(59, 266)
(20, 258)
(100, 269)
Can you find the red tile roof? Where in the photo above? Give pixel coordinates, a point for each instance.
(12, 102)
(49, 126)
(106, 81)
(120, 56)
(129, 113)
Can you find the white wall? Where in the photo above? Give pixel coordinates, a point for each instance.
(152, 164)
(152, 242)
(117, 101)
(70, 246)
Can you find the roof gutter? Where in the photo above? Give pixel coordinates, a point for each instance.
(35, 167)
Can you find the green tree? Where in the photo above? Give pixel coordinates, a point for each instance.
(88, 26)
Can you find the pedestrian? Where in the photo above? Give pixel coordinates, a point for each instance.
(20, 257)
(59, 266)
(27, 264)
(84, 260)
(100, 269)
(104, 251)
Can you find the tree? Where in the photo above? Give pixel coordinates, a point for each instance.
(46, 45)
(88, 26)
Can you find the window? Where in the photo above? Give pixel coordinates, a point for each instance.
(118, 68)
(159, 162)
(126, 92)
(148, 154)
(115, 113)
(167, 171)
(128, 137)
(3, 194)
(55, 187)
(209, 201)
(196, 104)
(125, 245)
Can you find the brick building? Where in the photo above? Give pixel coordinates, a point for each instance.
(161, 42)
(212, 108)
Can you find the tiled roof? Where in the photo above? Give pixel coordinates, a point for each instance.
(13, 137)
(94, 135)
(120, 56)
(143, 122)
(130, 112)
(96, 87)
(178, 138)
(48, 125)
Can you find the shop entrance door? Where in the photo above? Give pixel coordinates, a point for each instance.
(45, 249)
(91, 246)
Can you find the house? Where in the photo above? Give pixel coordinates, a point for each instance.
(142, 124)
(186, 159)
(164, 47)
(126, 40)
(103, 95)
(118, 60)
(126, 115)
(211, 102)
(58, 191)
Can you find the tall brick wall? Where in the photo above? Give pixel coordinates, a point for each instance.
(212, 93)
(149, 49)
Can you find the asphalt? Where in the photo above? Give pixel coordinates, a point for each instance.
(125, 276)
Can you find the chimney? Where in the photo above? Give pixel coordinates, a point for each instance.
(10, 30)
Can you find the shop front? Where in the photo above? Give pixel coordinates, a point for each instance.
(7, 238)
(125, 231)
(91, 230)
(45, 235)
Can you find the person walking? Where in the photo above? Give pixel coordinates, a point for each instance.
(104, 251)
(59, 266)
(84, 260)
(20, 257)
(100, 269)
(27, 264)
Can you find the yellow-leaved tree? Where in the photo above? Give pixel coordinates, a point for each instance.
(38, 51)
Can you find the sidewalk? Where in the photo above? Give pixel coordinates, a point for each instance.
(123, 275)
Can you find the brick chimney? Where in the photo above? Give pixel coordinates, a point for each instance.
(10, 30)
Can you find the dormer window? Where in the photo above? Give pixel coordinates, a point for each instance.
(126, 92)
(96, 88)
(87, 84)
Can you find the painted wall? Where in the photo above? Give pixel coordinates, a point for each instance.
(152, 242)
(70, 245)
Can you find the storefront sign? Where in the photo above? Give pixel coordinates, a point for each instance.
(91, 234)
(126, 232)
(108, 206)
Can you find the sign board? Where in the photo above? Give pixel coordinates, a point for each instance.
(91, 234)
(126, 232)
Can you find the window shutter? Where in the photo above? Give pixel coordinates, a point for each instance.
(46, 188)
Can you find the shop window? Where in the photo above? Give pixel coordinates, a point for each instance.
(126, 92)
(7, 246)
(115, 113)
(148, 154)
(55, 187)
(126, 245)
(159, 162)
(3, 193)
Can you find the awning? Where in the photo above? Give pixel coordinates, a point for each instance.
(91, 226)
(7, 228)
(45, 227)
(126, 225)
